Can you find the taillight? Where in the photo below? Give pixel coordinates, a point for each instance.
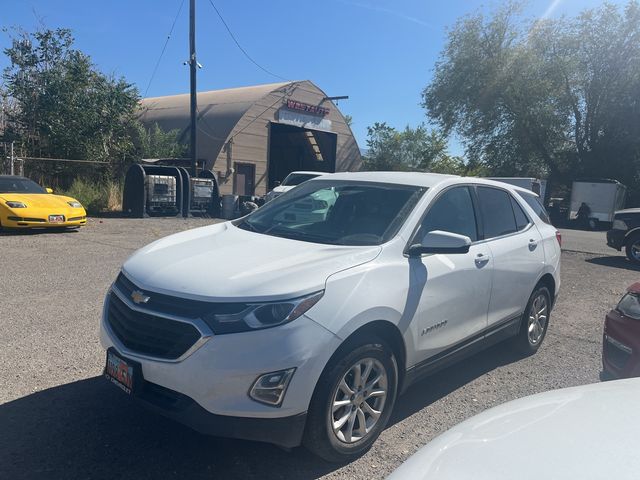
(559, 237)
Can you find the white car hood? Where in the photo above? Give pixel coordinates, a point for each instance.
(588, 432)
(224, 263)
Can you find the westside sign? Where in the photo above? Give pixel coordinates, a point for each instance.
(307, 108)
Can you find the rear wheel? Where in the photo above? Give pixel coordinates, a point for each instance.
(352, 402)
(593, 224)
(632, 248)
(534, 322)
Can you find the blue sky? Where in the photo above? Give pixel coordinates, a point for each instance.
(380, 53)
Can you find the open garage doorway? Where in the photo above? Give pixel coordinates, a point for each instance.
(293, 148)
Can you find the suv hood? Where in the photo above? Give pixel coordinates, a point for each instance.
(224, 263)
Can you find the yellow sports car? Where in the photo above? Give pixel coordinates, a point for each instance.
(25, 204)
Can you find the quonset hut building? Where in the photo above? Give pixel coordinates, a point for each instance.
(252, 137)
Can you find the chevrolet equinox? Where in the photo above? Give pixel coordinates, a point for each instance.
(302, 322)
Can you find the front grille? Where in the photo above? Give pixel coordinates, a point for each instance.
(163, 397)
(27, 219)
(149, 334)
(180, 307)
(615, 355)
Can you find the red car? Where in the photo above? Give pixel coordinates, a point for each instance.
(621, 340)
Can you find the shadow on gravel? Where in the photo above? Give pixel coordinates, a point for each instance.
(35, 231)
(90, 430)
(441, 384)
(615, 261)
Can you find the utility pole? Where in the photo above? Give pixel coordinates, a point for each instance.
(193, 65)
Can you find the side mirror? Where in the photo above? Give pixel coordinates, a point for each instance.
(439, 241)
(276, 183)
(49, 190)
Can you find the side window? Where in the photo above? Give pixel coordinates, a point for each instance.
(535, 203)
(497, 213)
(521, 218)
(452, 212)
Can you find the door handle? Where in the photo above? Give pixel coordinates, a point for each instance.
(532, 244)
(481, 260)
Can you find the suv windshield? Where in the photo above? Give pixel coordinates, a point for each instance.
(19, 185)
(337, 212)
(297, 178)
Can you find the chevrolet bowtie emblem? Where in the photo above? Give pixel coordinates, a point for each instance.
(138, 297)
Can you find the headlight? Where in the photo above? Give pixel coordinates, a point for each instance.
(16, 205)
(233, 318)
(74, 204)
(619, 225)
(630, 306)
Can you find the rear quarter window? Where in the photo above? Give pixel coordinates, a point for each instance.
(535, 203)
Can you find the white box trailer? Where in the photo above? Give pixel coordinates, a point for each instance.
(536, 185)
(602, 196)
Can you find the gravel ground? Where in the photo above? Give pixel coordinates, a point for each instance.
(60, 419)
(586, 242)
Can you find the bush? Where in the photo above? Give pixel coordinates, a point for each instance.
(96, 197)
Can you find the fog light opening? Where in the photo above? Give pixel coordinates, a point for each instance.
(271, 388)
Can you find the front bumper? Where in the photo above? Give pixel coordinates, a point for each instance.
(621, 346)
(13, 221)
(615, 239)
(213, 382)
(286, 431)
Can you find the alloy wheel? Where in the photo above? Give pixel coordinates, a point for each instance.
(635, 250)
(538, 315)
(359, 400)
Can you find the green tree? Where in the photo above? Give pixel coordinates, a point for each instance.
(157, 143)
(547, 97)
(409, 149)
(65, 107)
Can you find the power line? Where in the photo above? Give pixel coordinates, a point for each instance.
(233, 37)
(166, 42)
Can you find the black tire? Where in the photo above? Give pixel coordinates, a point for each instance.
(319, 436)
(593, 224)
(524, 342)
(633, 242)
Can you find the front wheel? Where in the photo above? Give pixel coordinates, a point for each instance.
(534, 322)
(352, 402)
(632, 248)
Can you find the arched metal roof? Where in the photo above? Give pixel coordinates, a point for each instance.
(218, 112)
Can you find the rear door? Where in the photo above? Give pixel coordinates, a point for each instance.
(517, 252)
(455, 288)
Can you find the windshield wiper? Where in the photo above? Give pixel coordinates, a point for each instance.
(304, 236)
(249, 226)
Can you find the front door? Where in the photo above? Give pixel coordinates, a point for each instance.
(244, 179)
(455, 287)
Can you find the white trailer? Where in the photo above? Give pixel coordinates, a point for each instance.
(602, 196)
(536, 185)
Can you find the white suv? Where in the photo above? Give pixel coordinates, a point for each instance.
(306, 332)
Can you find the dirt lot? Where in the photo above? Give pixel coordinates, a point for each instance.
(60, 419)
